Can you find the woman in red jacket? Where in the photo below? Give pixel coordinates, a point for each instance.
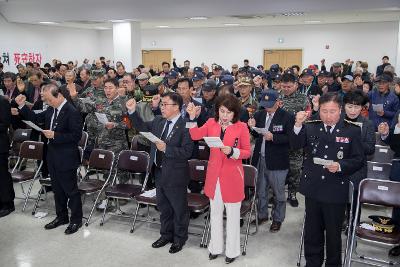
(224, 183)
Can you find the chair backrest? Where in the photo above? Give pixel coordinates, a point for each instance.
(101, 159)
(134, 143)
(80, 153)
(198, 170)
(133, 161)
(379, 192)
(21, 135)
(250, 176)
(83, 141)
(382, 154)
(31, 150)
(204, 151)
(377, 170)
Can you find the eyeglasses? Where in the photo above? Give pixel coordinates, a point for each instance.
(163, 105)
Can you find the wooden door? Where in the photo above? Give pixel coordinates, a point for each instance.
(155, 58)
(284, 57)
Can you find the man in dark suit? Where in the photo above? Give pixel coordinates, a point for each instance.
(332, 152)
(271, 156)
(170, 159)
(6, 185)
(63, 129)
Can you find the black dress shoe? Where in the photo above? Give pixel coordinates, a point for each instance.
(212, 256)
(55, 223)
(160, 243)
(6, 211)
(229, 260)
(72, 228)
(175, 247)
(395, 252)
(275, 227)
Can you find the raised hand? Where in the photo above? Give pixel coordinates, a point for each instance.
(155, 101)
(315, 102)
(191, 110)
(131, 105)
(251, 122)
(383, 128)
(301, 117)
(21, 85)
(20, 100)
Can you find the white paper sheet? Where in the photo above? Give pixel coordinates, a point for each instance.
(323, 162)
(149, 193)
(260, 130)
(214, 141)
(101, 117)
(151, 137)
(377, 107)
(33, 126)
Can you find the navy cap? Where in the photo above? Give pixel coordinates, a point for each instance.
(256, 73)
(149, 91)
(198, 76)
(226, 80)
(348, 77)
(308, 72)
(225, 72)
(217, 67)
(198, 69)
(276, 77)
(260, 67)
(384, 78)
(268, 98)
(209, 85)
(274, 68)
(172, 74)
(289, 76)
(324, 73)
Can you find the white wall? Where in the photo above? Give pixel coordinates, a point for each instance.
(53, 42)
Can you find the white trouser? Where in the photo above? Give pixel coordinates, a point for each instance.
(216, 245)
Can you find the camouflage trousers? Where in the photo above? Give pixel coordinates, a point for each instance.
(295, 167)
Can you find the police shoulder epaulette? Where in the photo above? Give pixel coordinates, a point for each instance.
(311, 121)
(359, 124)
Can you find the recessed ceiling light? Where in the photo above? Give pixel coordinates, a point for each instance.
(102, 28)
(312, 21)
(293, 14)
(48, 22)
(231, 24)
(198, 18)
(162, 26)
(117, 20)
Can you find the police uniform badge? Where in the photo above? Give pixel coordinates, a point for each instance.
(340, 154)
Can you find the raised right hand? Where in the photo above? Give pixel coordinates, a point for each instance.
(20, 100)
(383, 128)
(301, 117)
(21, 85)
(131, 105)
(191, 110)
(251, 122)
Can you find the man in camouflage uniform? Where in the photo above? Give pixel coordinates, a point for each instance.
(245, 85)
(293, 101)
(132, 90)
(93, 93)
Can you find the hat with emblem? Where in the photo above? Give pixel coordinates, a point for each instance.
(225, 80)
(209, 85)
(245, 81)
(268, 98)
(149, 91)
(142, 76)
(274, 68)
(198, 76)
(172, 74)
(307, 72)
(276, 77)
(348, 77)
(156, 80)
(384, 78)
(198, 69)
(324, 73)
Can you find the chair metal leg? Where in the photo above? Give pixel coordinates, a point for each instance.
(93, 207)
(104, 213)
(247, 231)
(28, 193)
(135, 217)
(207, 235)
(301, 242)
(37, 200)
(207, 221)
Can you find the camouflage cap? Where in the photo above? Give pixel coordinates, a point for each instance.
(245, 81)
(156, 80)
(95, 74)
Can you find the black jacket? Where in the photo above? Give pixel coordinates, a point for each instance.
(175, 168)
(5, 121)
(277, 150)
(342, 146)
(62, 151)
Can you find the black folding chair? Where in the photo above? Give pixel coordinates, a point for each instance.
(378, 170)
(29, 150)
(382, 154)
(132, 162)
(100, 160)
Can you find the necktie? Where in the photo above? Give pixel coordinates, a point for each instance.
(328, 129)
(159, 154)
(53, 122)
(267, 124)
(36, 95)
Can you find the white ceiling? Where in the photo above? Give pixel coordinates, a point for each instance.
(96, 14)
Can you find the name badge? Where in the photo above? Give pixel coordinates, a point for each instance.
(277, 128)
(345, 140)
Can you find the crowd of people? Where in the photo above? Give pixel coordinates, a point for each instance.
(310, 130)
